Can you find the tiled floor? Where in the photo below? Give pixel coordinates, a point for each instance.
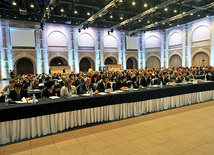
(187, 130)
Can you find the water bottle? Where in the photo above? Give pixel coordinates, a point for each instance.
(161, 84)
(91, 93)
(6, 100)
(34, 99)
(184, 81)
(8, 91)
(70, 94)
(28, 90)
(205, 78)
(55, 82)
(131, 88)
(111, 89)
(173, 82)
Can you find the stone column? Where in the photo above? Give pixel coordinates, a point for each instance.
(101, 47)
(184, 35)
(45, 51)
(76, 55)
(2, 54)
(166, 54)
(70, 50)
(38, 50)
(123, 48)
(212, 43)
(163, 50)
(120, 52)
(143, 51)
(9, 54)
(139, 50)
(97, 50)
(189, 44)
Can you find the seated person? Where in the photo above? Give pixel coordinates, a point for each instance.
(135, 81)
(18, 93)
(176, 77)
(79, 80)
(104, 85)
(10, 86)
(184, 76)
(86, 87)
(49, 91)
(62, 83)
(121, 84)
(146, 80)
(164, 79)
(68, 86)
(32, 84)
(25, 80)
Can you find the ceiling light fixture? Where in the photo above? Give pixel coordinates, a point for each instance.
(62, 10)
(191, 14)
(88, 13)
(166, 9)
(111, 16)
(75, 12)
(121, 18)
(32, 6)
(14, 3)
(145, 5)
(139, 20)
(133, 3)
(175, 11)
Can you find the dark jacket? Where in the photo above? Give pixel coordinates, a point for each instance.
(14, 97)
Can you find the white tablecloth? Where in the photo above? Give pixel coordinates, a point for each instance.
(16, 130)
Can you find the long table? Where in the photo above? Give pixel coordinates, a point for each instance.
(50, 116)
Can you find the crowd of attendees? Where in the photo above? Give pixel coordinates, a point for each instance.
(100, 81)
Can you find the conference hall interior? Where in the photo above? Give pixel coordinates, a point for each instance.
(105, 77)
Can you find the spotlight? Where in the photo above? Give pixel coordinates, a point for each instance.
(133, 3)
(75, 12)
(145, 5)
(112, 30)
(32, 6)
(14, 3)
(83, 27)
(148, 21)
(175, 11)
(79, 30)
(108, 32)
(121, 18)
(139, 20)
(111, 16)
(166, 9)
(88, 13)
(62, 10)
(191, 14)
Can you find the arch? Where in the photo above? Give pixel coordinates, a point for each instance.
(57, 55)
(86, 63)
(24, 65)
(200, 50)
(131, 63)
(58, 61)
(110, 41)
(200, 33)
(152, 42)
(28, 56)
(86, 40)
(153, 62)
(57, 38)
(175, 39)
(201, 59)
(175, 61)
(110, 60)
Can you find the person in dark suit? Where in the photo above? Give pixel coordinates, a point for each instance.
(121, 84)
(79, 80)
(135, 81)
(104, 85)
(164, 79)
(32, 84)
(49, 91)
(62, 83)
(18, 93)
(146, 80)
(86, 87)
